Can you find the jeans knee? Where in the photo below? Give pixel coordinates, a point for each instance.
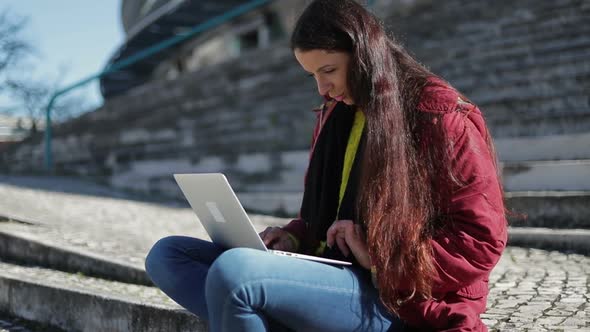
(233, 269)
(157, 261)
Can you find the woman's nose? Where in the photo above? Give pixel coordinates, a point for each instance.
(323, 87)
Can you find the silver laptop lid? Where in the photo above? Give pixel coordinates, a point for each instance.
(219, 210)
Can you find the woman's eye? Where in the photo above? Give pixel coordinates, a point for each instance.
(329, 71)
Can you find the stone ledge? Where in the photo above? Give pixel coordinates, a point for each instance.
(566, 240)
(9, 323)
(43, 250)
(569, 175)
(22, 248)
(80, 303)
(550, 147)
(530, 289)
(550, 209)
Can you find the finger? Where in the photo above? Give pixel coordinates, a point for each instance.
(331, 235)
(264, 232)
(271, 236)
(350, 232)
(346, 222)
(342, 245)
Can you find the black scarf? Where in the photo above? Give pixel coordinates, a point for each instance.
(324, 176)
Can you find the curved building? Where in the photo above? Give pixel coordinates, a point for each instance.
(149, 22)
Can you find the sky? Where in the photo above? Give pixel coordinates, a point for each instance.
(72, 38)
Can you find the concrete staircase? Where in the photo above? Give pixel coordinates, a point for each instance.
(62, 289)
(547, 178)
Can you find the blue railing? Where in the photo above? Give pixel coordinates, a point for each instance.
(159, 47)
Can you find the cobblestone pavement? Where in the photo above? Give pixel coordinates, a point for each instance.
(530, 289)
(538, 290)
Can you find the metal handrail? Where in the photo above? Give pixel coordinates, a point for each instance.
(163, 45)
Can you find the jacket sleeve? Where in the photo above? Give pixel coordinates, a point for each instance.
(473, 236)
(297, 228)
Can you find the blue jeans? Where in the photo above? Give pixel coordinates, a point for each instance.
(251, 290)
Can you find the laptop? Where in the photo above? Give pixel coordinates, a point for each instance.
(223, 216)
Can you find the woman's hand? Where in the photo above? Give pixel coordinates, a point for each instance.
(278, 239)
(350, 238)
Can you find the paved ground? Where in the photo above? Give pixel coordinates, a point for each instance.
(537, 290)
(531, 289)
(94, 218)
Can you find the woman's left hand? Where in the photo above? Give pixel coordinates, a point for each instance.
(350, 238)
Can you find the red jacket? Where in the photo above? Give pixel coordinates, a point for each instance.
(471, 243)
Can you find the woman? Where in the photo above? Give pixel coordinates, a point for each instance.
(402, 180)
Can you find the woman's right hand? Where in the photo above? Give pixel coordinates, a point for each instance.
(278, 239)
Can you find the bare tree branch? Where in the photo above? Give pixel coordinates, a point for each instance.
(30, 94)
(13, 47)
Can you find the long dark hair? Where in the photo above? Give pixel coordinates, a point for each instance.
(396, 200)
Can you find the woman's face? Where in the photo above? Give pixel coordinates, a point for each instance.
(330, 69)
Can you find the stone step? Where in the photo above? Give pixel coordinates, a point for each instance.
(502, 62)
(516, 80)
(18, 244)
(553, 147)
(553, 209)
(565, 240)
(282, 204)
(252, 172)
(9, 323)
(75, 302)
(550, 209)
(92, 254)
(80, 303)
(564, 175)
(557, 124)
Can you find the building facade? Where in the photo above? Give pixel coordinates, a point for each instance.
(146, 23)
